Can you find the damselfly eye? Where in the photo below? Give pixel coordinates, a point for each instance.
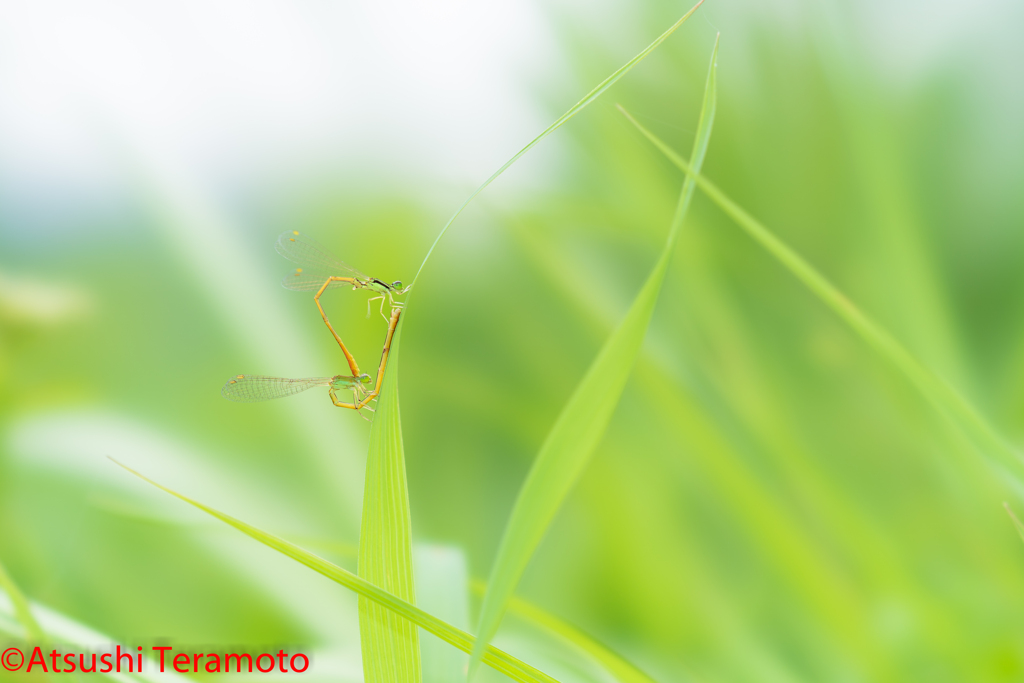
(364, 378)
(397, 284)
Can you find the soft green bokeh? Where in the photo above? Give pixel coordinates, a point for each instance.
(772, 502)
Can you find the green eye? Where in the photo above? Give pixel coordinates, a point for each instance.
(364, 378)
(397, 284)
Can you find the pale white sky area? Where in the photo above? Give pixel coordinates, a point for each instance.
(235, 87)
(243, 92)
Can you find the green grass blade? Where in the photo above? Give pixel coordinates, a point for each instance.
(21, 608)
(495, 658)
(945, 398)
(582, 423)
(613, 663)
(390, 643)
(575, 109)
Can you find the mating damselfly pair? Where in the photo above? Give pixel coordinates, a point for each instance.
(318, 270)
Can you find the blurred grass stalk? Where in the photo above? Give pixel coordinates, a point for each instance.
(21, 607)
(584, 419)
(933, 388)
(44, 626)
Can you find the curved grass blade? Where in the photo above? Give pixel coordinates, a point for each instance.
(945, 398)
(582, 423)
(575, 109)
(495, 658)
(21, 608)
(390, 643)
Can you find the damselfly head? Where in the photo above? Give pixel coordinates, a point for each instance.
(397, 284)
(364, 378)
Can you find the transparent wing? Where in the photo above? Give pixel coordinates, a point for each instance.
(254, 388)
(312, 279)
(310, 255)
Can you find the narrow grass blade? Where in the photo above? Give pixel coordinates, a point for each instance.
(945, 398)
(613, 663)
(575, 109)
(21, 608)
(582, 422)
(495, 658)
(390, 643)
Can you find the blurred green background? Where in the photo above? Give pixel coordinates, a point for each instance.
(771, 502)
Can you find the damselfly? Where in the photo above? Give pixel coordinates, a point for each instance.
(255, 388)
(318, 270)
